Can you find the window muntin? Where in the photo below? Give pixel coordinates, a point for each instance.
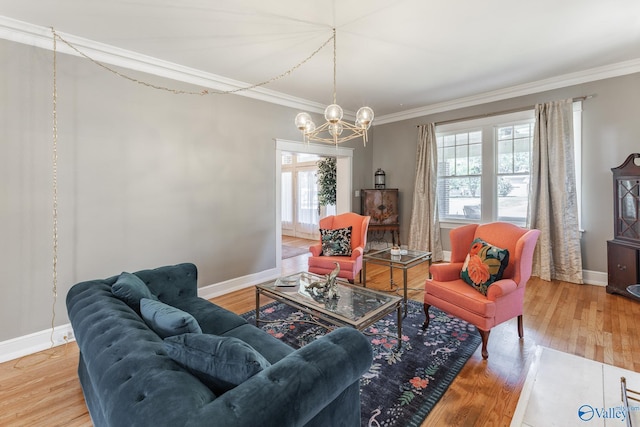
(513, 171)
(513, 153)
(484, 167)
(459, 174)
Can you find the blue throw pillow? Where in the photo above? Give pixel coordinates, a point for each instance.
(484, 265)
(166, 320)
(131, 289)
(336, 242)
(219, 362)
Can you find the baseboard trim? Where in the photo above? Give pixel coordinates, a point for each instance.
(217, 289)
(38, 341)
(589, 277)
(597, 278)
(35, 342)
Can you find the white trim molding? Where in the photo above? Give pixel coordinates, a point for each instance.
(38, 341)
(35, 342)
(218, 289)
(36, 35)
(571, 79)
(344, 184)
(596, 278)
(42, 37)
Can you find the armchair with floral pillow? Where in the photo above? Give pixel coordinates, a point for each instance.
(485, 281)
(342, 240)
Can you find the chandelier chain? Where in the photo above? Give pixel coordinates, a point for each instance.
(55, 188)
(335, 61)
(204, 91)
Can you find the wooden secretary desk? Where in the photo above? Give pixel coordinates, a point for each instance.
(382, 206)
(623, 252)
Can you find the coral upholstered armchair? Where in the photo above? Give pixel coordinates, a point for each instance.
(448, 290)
(351, 262)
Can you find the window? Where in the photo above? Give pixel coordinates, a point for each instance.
(460, 174)
(484, 167)
(513, 168)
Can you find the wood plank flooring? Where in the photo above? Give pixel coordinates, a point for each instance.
(43, 389)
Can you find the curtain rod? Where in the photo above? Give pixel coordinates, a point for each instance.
(498, 113)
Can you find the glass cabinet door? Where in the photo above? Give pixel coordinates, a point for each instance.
(628, 208)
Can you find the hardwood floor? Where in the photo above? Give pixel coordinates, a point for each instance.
(43, 389)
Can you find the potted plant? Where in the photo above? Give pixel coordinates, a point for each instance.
(326, 178)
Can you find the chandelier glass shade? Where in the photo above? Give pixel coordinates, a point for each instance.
(335, 130)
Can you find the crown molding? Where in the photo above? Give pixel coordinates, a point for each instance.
(42, 37)
(38, 36)
(593, 74)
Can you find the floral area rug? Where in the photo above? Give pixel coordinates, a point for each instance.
(402, 386)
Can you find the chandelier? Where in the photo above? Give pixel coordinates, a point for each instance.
(335, 130)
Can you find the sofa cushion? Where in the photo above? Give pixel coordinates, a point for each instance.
(267, 345)
(484, 265)
(336, 241)
(131, 289)
(167, 321)
(219, 362)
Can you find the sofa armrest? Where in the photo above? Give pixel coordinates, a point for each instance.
(500, 288)
(316, 249)
(294, 390)
(446, 272)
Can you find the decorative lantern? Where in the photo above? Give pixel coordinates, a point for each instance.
(379, 178)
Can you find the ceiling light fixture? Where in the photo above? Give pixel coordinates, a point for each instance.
(335, 130)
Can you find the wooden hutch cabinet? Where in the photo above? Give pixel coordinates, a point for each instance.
(623, 252)
(383, 208)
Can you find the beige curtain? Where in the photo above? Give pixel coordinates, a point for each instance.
(424, 230)
(553, 203)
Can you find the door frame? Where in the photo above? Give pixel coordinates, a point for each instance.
(295, 182)
(344, 181)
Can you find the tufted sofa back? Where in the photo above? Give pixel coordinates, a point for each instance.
(129, 380)
(171, 283)
(125, 372)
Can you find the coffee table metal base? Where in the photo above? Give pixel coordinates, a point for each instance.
(394, 305)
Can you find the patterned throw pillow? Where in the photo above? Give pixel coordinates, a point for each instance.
(336, 242)
(484, 265)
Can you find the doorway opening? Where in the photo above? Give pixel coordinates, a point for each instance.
(303, 151)
(300, 210)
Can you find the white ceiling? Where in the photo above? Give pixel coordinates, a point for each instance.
(393, 55)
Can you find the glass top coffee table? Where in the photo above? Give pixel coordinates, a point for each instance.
(404, 261)
(355, 306)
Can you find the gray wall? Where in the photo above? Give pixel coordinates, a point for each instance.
(146, 178)
(610, 132)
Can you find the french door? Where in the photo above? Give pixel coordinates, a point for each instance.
(299, 196)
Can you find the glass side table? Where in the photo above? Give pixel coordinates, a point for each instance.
(403, 262)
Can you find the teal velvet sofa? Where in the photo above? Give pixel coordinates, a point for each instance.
(129, 379)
